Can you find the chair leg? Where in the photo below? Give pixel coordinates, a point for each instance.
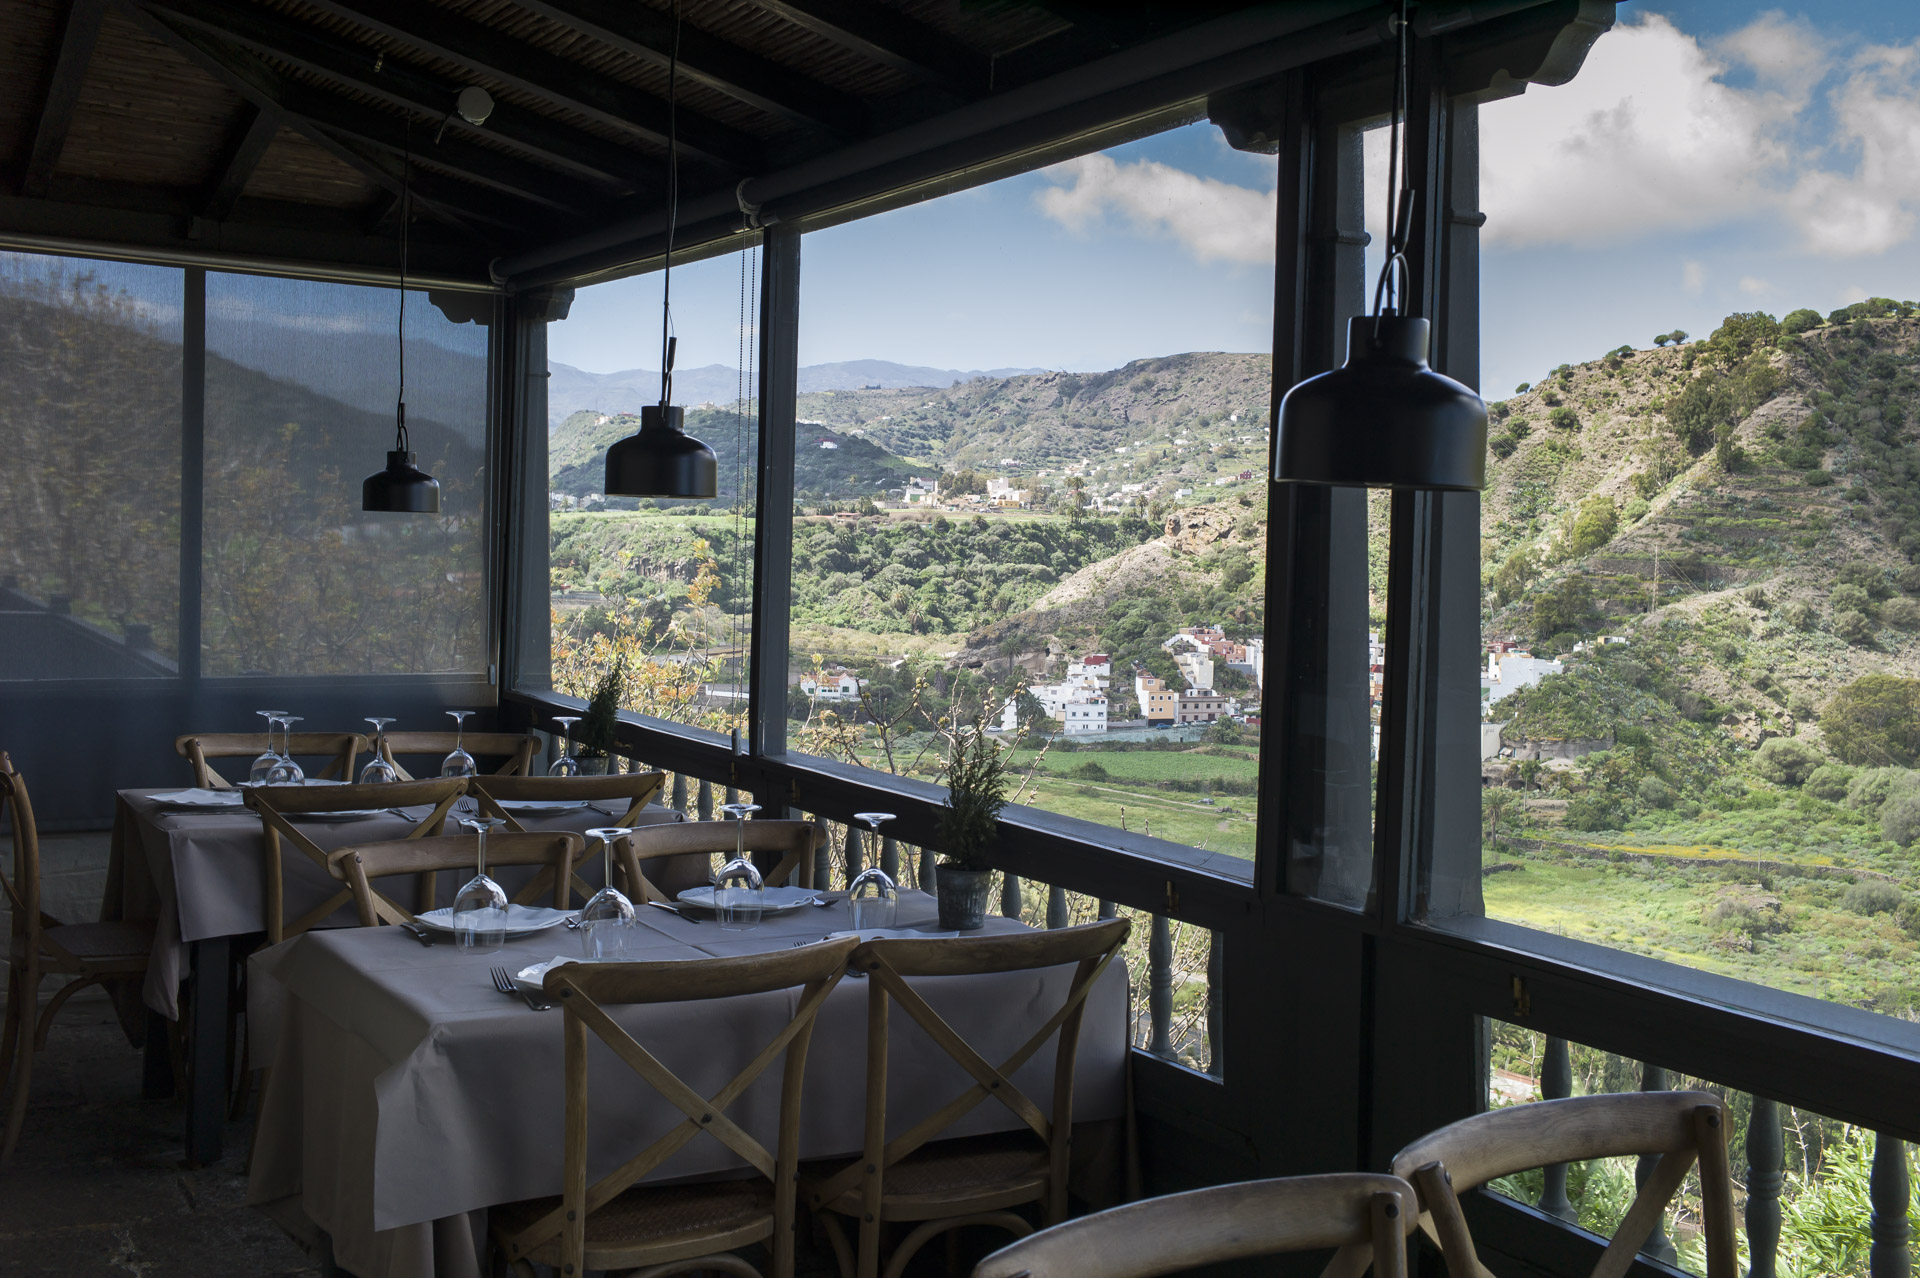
(10, 1038)
(837, 1236)
(722, 1263)
(22, 1082)
(926, 1230)
(67, 991)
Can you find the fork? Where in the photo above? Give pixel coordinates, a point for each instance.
(503, 982)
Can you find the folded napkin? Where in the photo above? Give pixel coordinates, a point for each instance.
(202, 799)
(892, 934)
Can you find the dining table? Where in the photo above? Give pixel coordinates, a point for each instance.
(407, 1094)
(199, 877)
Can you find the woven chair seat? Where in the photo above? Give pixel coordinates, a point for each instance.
(956, 1169)
(100, 942)
(646, 1215)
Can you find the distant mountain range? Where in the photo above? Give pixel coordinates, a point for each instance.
(571, 390)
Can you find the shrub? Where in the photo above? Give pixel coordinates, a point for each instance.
(1848, 597)
(1655, 793)
(1909, 579)
(1592, 812)
(1091, 771)
(1900, 818)
(1502, 445)
(1595, 526)
(1901, 612)
(1852, 626)
(1872, 788)
(1875, 720)
(1799, 615)
(1829, 781)
(1785, 761)
(1872, 896)
(1636, 510)
(1800, 321)
(1523, 388)
(1907, 915)
(1818, 478)
(1564, 418)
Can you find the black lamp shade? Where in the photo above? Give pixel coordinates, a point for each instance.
(1383, 419)
(661, 460)
(402, 488)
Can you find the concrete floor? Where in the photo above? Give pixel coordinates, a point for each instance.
(96, 1188)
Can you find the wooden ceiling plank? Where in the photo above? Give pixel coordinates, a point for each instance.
(892, 39)
(62, 95)
(719, 64)
(486, 52)
(398, 85)
(253, 133)
(257, 84)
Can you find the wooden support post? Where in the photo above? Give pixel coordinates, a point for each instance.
(1891, 1193)
(1766, 1157)
(1556, 1083)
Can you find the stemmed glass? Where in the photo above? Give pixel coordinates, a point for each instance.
(606, 920)
(873, 898)
(265, 763)
(459, 763)
(566, 765)
(739, 896)
(378, 771)
(286, 771)
(480, 907)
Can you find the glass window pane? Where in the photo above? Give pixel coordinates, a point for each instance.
(1032, 485)
(90, 489)
(661, 590)
(301, 383)
(1699, 677)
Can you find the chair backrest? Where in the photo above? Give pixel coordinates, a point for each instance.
(557, 850)
(22, 886)
(582, 990)
(635, 789)
(515, 749)
(277, 803)
(1678, 1127)
(198, 747)
(888, 963)
(792, 841)
(1367, 1217)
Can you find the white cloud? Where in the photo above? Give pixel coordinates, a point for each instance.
(1214, 221)
(1693, 277)
(1877, 118)
(1754, 286)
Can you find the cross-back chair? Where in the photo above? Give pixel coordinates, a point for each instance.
(41, 945)
(792, 841)
(1680, 1127)
(980, 1179)
(278, 804)
(556, 850)
(514, 749)
(615, 1224)
(635, 789)
(199, 747)
(1366, 1217)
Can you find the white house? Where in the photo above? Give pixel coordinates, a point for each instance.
(833, 687)
(1085, 714)
(1508, 672)
(1196, 668)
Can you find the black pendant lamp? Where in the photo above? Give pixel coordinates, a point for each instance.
(402, 488)
(1384, 419)
(662, 460)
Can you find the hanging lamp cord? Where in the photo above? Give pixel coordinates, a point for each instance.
(1399, 192)
(401, 443)
(673, 217)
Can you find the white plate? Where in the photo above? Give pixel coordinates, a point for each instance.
(543, 805)
(345, 814)
(522, 920)
(202, 800)
(777, 900)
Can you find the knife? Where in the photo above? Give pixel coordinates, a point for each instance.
(418, 933)
(673, 909)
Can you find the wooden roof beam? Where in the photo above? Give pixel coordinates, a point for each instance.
(724, 67)
(892, 39)
(252, 134)
(398, 85)
(62, 96)
(487, 53)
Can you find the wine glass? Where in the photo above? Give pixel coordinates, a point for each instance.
(480, 907)
(378, 770)
(874, 821)
(738, 896)
(566, 765)
(873, 900)
(265, 763)
(459, 763)
(606, 920)
(286, 771)
(738, 812)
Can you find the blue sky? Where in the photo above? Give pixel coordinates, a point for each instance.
(1710, 157)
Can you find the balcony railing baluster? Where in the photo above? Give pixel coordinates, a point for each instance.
(1891, 1192)
(929, 870)
(855, 851)
(1556, 1083)
(822, 857)
(1010, 895)
(890, 859)
(1160, 987)
(1653, 1078)
(1766, 1157)
(680, 793)
(1056, 907)
(1108, 910)
(704, 799)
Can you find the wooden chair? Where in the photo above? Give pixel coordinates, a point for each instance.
(516, 749)
(198, 747)
(635, 789)
(792, 841)
(557, 850)
(277, 803)
(615, 1225)
(41, 945)
(974, 1181)
(1367, 1217)
(1679, 1127)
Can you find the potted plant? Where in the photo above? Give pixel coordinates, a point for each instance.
(595, 736)
(976, 791)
